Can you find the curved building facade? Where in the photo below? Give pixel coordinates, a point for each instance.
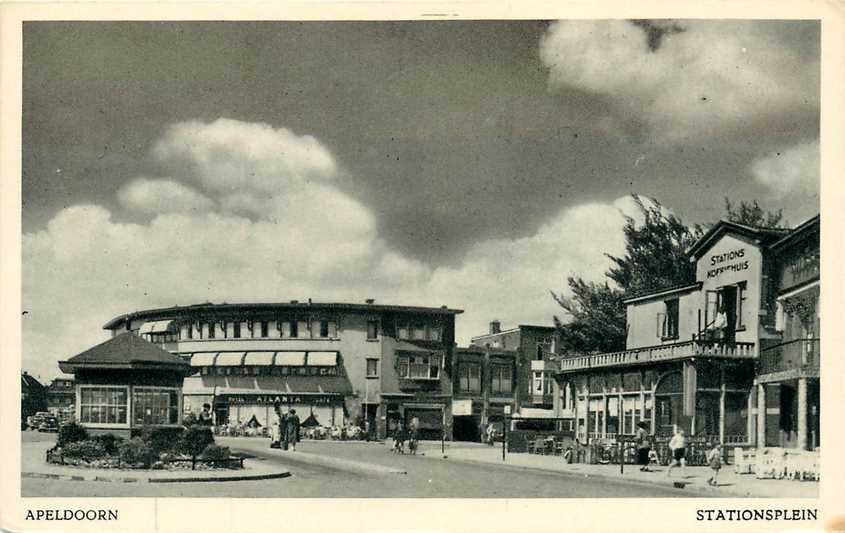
(337, 362)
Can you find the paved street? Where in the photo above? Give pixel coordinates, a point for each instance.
(428, 476)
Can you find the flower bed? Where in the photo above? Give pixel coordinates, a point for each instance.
(190, 448)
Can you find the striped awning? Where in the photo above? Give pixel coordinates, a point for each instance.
(203, 359)
(230, 359)
(155, 327)
(322, 358)
(259, 358)
(290, 358)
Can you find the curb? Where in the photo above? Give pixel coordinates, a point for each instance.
(64, 477)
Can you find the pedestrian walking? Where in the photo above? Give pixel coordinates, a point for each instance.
(399, 438)
(276, 435)
(292, 429)
(283, 428)
(643, 439)
(678, 448)
(714, 460)
(491, 432)
(412, 439)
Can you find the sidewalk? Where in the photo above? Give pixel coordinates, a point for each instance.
(34, 465)
(730, 483)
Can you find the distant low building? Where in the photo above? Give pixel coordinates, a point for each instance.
(33, 396)
(60, 394)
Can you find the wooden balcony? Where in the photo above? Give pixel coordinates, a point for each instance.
(665, 352)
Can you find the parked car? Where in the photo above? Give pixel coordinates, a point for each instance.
(49, 424)
(35, 420)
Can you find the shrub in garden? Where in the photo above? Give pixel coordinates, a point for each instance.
(162, 439)
(84, 449)
(109, 441)
(136, 451)
(215, 452)
(195, 439)
(71, 432)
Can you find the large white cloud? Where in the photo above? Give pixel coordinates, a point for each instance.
(162, 196)
(312, 240)
(793, 170)
(709, 78)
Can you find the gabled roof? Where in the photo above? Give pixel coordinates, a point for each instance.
(764, 235)
(27, 381)
(799, 232)
(126, 350)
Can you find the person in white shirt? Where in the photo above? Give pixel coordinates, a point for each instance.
(678, 447)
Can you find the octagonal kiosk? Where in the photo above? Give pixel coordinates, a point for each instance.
(127, 383)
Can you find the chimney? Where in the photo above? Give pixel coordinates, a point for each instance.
(370, 301)
(495, 327)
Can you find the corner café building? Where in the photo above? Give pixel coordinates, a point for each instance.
(691, 351)
(335, 361)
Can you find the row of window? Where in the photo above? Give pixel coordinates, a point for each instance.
(469, 378)
(419, 366)
(110, 405)
(325, 329)
(270, 371)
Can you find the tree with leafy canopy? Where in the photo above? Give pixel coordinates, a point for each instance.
(751, 214)
(655, 258)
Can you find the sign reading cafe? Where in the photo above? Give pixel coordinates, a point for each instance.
(727, 262)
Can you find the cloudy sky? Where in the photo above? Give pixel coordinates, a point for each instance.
(472, 164)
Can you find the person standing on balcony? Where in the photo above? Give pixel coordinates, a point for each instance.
(643, 445)
(678, 448)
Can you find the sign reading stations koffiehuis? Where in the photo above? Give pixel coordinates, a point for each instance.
(727, 262)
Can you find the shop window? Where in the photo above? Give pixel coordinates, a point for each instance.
(502, 379)
(103, 405)
(372, 329)
(220, 371)
(372, 368)
(403, 331)
(469, 377)
(155, 406)
(419, 333)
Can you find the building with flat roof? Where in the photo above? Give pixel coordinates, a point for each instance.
(484, 385)
(340, 362)
(536, 363)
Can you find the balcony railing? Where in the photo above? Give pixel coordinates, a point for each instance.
(666, 352)
(794, 354)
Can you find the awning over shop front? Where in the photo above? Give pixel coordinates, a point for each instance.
(203, 359)
(259, 358)
(290, 358)
(159, 326)
(322, 358)
(230, 359)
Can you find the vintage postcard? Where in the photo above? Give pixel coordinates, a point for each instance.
(422, 267)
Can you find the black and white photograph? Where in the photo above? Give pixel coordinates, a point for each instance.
(511, 258)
